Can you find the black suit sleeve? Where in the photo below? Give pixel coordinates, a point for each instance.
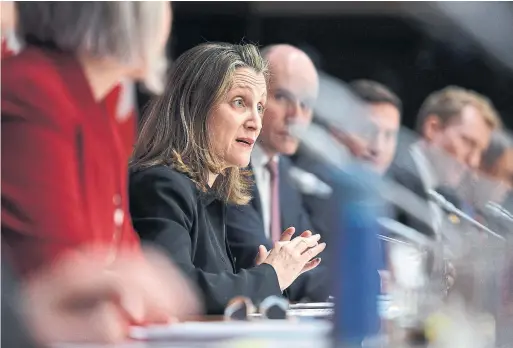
(163, 206)
(245, 233)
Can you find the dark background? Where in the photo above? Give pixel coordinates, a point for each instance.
(354, 40)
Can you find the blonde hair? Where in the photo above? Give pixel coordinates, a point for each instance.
(448, 103)
(175, 130)
(122, 30)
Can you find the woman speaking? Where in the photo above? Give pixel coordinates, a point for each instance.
(187, 165)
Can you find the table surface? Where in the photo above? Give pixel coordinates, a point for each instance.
(236, 343)
(193, 333)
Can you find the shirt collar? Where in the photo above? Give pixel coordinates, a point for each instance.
(259, 158)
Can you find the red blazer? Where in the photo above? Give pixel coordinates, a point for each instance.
(120, 102)
(64, 168)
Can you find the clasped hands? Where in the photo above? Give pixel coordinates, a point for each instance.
(292, 257)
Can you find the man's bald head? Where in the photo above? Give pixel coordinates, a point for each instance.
(293, 89)
(281, 49)
(290, 60)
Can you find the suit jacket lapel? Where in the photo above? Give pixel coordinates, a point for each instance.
(407, 173)
(256, 203)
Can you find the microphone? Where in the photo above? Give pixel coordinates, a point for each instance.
(239, 308)
(448, 206)
(412, 236)
(309, 184)
(274, 308)
(498, 211)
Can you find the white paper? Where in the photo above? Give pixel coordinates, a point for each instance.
(228, 330)
(312, 305)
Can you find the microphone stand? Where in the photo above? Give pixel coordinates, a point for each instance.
(499, 211)
(446, 205)
(413, 237)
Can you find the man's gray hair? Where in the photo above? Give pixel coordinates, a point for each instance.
(122, 30)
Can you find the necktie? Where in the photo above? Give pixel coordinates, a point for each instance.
(275, 230)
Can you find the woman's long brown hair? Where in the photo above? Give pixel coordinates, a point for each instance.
(174, 130)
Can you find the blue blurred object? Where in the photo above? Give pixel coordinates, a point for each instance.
(359, 257)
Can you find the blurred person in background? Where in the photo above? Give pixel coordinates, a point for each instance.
(63, 180)
(373, 142)
(77, 300)
(64, 167)
(276, 203)
(120, 101)
(494, 179)
(488, 189)
(497, 164)
(455, 125)
(188, 166)
(377, 137)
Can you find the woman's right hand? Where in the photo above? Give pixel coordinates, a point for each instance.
(291, 258)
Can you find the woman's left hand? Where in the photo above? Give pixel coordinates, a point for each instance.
(285, 237)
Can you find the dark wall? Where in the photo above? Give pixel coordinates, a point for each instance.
(392, 50)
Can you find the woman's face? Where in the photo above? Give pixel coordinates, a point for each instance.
(235, 122)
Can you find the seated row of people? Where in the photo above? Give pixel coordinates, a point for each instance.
(64, 185)
(209, 179)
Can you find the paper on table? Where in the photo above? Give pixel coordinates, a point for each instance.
(313, 313)
(228, 330)
(312, 305)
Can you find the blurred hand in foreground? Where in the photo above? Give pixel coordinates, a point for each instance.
(79, 299)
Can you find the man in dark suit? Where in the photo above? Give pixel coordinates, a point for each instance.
(494, 184)
(276, 203)
(373, 142)
(455, 126)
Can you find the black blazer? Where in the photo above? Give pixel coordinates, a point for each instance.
(245, 226)
(245, 230)
(169, 210)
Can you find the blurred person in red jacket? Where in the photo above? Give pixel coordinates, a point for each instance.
(64, 166)
(120, 102)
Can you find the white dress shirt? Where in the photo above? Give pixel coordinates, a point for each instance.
(259, 160)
